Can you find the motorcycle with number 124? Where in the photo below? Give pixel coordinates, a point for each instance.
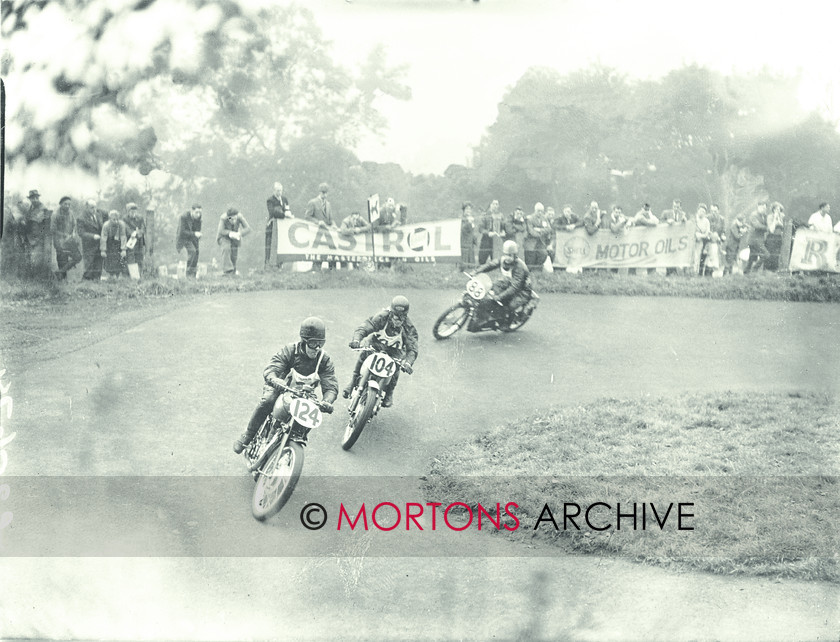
(275, 455)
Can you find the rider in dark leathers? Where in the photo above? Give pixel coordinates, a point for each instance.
(298, 365)
(390, 331)
(512, 286)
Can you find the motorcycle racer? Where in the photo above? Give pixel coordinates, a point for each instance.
(303, 364)
(390, 331)
(512, 287)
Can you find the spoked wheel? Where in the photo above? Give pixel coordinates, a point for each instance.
(450, 321)
(276, 481)
(359, 418)
(518, 321)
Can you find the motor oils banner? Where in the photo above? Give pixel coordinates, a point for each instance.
(301, 240)
(660, 246)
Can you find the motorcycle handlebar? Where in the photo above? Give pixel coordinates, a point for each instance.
(397, 360)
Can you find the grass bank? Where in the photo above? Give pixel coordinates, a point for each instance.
(760, 470)
(760, 286)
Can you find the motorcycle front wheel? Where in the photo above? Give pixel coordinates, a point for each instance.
(450, 321)
(277, 479)
(363, 412)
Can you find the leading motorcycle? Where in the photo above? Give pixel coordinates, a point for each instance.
(478, 312)
(275, 455)
(366, 398)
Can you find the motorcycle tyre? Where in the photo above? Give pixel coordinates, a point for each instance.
(262, 513)
(512, 327)
(358, 421)
(454, 327)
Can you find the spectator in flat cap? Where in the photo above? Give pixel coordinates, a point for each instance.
(135, 227)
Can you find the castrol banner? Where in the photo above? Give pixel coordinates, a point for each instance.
(301, 240)
(813, 250)
(660, 246)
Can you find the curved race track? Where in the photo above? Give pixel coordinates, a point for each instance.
(168, 397)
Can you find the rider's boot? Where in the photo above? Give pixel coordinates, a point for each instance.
(243, 440)
(257, 419)
(349, 389)
(388, 401)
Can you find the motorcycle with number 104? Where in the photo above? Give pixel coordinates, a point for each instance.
(275, 455)
(478, 312)
(366, 398)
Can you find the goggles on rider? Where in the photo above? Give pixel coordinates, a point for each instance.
(314, 344)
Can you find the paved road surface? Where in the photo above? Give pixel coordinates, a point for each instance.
(167, 398)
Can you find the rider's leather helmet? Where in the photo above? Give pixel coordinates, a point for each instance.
(399, 305)
(313, 329)
(510, 247)
(398, 311)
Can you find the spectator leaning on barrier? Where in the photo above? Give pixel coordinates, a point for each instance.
(355, 223)
(89, 227)
(278, 209)
(188, 237)
(645, 218)
(67, 254)
(112, 245)
(592, 219)
(675, 215)
(758, 230)
(232, 227)
(618, 222)
(821, 220)
(567, 220)
(468, 237)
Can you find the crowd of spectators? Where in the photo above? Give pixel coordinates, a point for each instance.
(748, 243)
(113, 244)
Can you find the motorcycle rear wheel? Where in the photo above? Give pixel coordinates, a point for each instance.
(277, 480)
(452, 320)
(518, 321)
(358, 420)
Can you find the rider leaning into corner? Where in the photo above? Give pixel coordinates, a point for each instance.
(512, 287)
(390, 331)
(301, 365)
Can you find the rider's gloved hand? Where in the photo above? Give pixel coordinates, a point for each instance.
(326, 407)
(354, 344)
(406, 368)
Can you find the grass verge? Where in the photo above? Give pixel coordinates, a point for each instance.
(761, 471)
(760, 286)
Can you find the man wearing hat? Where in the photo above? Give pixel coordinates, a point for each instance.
(135, 227)
(65, 242)
(89, 227)
(319, 210)
(36, 237)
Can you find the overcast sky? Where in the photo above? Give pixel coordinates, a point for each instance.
(464, 54)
